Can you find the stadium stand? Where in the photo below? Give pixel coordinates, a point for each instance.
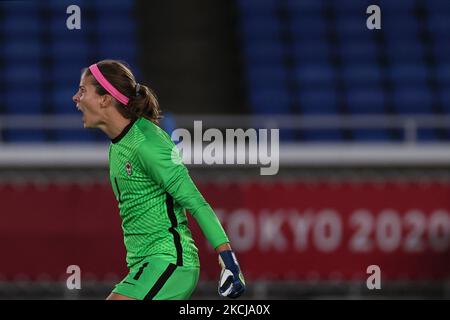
(317, 57)
(312, 57)
(41, 59)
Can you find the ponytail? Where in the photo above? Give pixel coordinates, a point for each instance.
(144, 104)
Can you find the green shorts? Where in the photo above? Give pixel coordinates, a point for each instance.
(156, 279)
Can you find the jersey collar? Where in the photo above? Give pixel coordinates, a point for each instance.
(124, 132)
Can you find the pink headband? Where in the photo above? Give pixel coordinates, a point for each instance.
(108, 86)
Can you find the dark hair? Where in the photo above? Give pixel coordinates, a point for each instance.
(143, 101)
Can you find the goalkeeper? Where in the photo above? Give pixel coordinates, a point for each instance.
(153, 190)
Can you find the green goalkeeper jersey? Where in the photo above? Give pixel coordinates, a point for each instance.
(153, 189)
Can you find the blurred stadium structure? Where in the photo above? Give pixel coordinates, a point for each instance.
(364, 125)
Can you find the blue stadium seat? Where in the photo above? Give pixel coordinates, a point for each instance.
(22, 51)
(248, 7)
(405, 51)
(439, 26)
(315, 75)
(445, 99)
(320, 101)
(358, 52)
(114, 6)
(441, 50)
(361, 75)
(20, 8)
(58, 5)
(264, 52)
(443, 74)
(123, 50)
(311, 51)
(322, 136)
(413, 100)
(72, 51)
(24, 136)
(114, 25)
(67, 73)
(352, 28)
(392, 8)
(401, 27)
(267, 77)
(437, 7)
(311, 7)
(371, 135)
(350, 8)
(75, 135)
(24, 100)
(408, 74)
(427, 135)
(23, 75)
(270, 101)
(309, 28)
(366, 101)
(61, 98)
(23, 26)
(261, 27)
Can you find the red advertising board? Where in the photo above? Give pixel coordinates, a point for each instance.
(280, 230)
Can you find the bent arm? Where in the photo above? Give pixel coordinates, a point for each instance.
(157, 160)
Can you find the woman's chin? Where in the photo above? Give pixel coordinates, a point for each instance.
(86, 124)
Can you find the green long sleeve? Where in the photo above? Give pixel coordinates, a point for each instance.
(156, 156)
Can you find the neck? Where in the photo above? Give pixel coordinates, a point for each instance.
(114, 127)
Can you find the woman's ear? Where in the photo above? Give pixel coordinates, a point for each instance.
(105, 100)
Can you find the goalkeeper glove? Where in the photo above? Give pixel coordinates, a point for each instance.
(231, 283)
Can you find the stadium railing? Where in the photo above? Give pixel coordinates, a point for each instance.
(409, 151)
